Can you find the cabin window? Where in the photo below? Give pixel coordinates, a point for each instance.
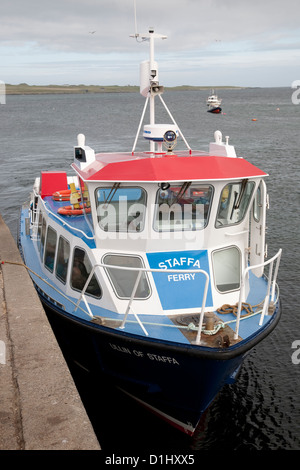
(43, 235)
(39, 231)
(50, 248)
(183, 207)
(234, 202)
(63, 255)
(121, 209)
(227, 269)
(33, 207)
(123, 281)
(81, 270)
(257, 204)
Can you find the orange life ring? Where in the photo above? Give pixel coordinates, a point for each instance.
(68, 210)
(62, 195)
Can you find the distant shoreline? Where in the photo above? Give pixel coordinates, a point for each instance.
(24, 89)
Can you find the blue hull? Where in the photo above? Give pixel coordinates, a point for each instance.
(151, 370)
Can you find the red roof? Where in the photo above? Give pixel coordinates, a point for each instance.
(168, 168)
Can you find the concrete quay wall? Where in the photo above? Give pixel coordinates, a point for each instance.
(40, 407)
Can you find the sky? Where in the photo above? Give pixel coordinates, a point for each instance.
(252, 43)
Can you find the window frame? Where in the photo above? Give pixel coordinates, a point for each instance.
(218, 223)
(88, 273)
(46, 247)
(146, 278)
(181, 228)
(43, 237)
(257, 204)
(142, 201)
(63, 281)
(215, 274)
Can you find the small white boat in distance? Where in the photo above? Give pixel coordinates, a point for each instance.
(214, 103)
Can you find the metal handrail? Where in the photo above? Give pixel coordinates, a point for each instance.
(268, 298)
(140, 271)
(270, 288)
(62, 220)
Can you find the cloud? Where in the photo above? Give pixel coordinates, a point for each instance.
(65, 25)
(53, 39)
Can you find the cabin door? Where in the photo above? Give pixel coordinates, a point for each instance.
(258, 227)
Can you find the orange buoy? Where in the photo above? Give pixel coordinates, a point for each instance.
(69, 210)
(253, 119)
(62, 195)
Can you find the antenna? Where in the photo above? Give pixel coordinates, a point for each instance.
(135, 22)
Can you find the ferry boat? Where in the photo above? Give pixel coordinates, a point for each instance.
(152, 264)
(214, 103)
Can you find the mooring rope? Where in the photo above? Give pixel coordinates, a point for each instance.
(44, 280)
(227, 308)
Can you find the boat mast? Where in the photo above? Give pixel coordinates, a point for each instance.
(153, 74)
(150, 87)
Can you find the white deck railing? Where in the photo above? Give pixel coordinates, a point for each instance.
(270, 294)
(269, 297)
(140, 271)
(62, 220)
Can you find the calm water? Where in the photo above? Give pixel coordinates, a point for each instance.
(262, 410)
